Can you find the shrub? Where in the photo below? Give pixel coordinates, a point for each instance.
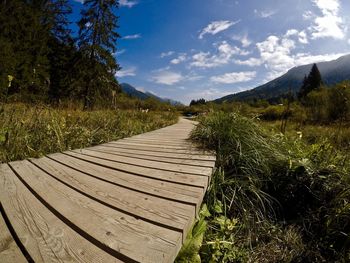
(289, 201)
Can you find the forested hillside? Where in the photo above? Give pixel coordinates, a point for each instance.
(41, 59)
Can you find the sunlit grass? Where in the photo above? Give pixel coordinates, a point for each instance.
(27, 131)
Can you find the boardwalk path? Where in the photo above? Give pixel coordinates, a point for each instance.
(131, 200)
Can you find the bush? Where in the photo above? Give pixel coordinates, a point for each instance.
(273, 112)
(289, 201)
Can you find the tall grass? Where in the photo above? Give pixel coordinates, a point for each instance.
(27, 131)
(274, 199)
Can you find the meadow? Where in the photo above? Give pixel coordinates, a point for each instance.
(33, 131)
(281, 192)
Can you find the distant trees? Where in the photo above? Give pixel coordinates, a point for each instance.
(311, 82)
(43, 61)
(330, 104)
(197, 102)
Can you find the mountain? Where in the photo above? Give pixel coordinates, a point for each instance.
(133, 92)
(332, 72)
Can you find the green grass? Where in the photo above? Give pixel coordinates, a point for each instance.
(27, 131)
(274, 198)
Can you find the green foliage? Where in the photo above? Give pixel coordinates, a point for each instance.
(197, 102)
(273, 112)
(38, 50)
(27, 131)
(97, 41)
(189, 252)
(329, 105)
(274, 199)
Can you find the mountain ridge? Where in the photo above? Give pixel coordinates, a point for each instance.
(332, 72)
(133, 92)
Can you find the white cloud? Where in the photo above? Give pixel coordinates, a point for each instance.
(167, 54)
(291, 32)
(265, 13)
(349, 41)
(181, 58)
(306, 58)
(251, 62)
(126, 72)
(127, 3)
(330, 24)
(245, 41)
(308, 15)
(234, 77)
(167, 77)
(277, 57)
(217, 26)
(119, 52)
(224, 55)
(135, 36)
(302, 37)
(276, 53)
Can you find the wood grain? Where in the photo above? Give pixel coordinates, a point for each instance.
(186, 169)
(153, 157)
(46, 237)
(9, 251)
(151, 209)
(114, 230)
(167, 176)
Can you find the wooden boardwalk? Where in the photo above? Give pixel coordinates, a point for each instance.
(131, 200)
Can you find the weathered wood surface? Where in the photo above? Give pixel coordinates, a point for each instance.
(132, 200)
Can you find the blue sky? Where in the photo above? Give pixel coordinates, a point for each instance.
(190, 49)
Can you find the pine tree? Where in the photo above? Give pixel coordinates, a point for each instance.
(61, 47)
(55, 18)
(23, 42)
(97, 41)
(312, 82)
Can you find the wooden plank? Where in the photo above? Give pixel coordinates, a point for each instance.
(159, 149)
(145, 207)
(158, 141)
(123, 234)
(155, 145)
(155, 157)
(166, 190)
(9, 251)
(180, 168)
(167, 176)
(156, 153)
(45, 237)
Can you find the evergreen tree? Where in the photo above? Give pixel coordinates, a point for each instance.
(312, 82)
(61, 48)
(97, 41)
(55, 18)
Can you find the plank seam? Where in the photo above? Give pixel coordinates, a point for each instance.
(143, 150)
(81, 232)
(111, 144)
(109, 205)
(14, 235)
(137, 174)
(123, 186)
(144, 158)
(138, 165)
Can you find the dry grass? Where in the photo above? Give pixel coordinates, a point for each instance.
(27, 131)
